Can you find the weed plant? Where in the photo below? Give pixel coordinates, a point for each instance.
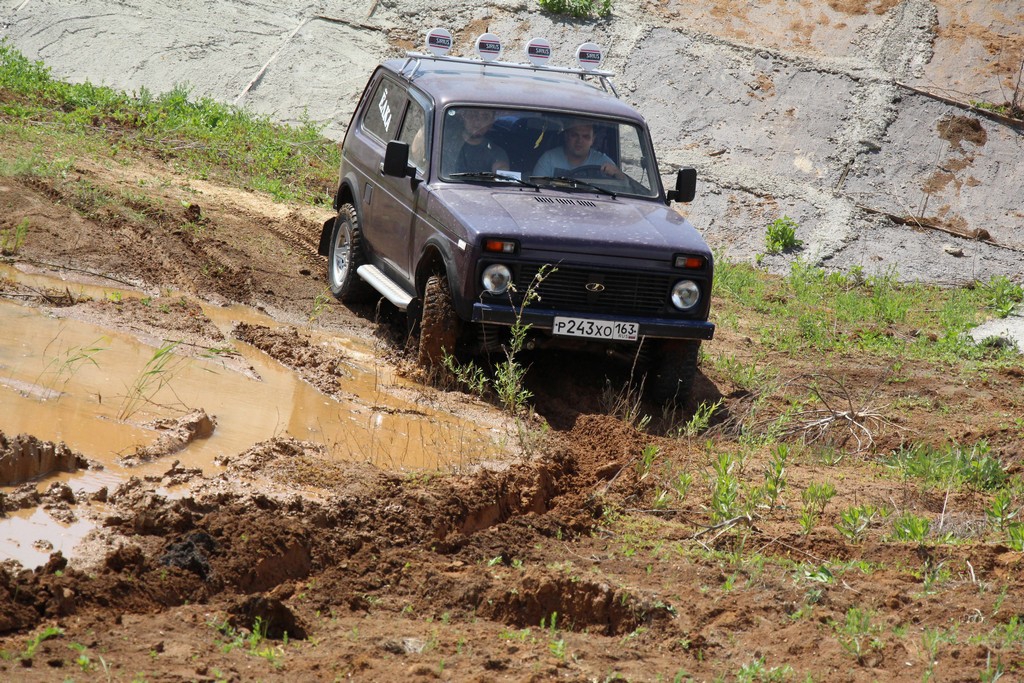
(157, 374)
(817, 495)
(682, 484)
(37, 640)
(1001, 510)
(66, 365)
(469, 376)
(1015, 535)
(952, 465)
(701, 418)
(910, 527)
(320, 303)
(775, 475)
(647, 456)
(757, 672)
(1002, 294)
(724, 489)
(780, 235)
(581, 9)
(12, 238)
(991, 674)
(855, 521)
(556, 642)
(856, 634)
(626, 404)
(747, 376)
(509, 374)
(254, 641)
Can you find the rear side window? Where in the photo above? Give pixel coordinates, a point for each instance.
(414, 133)
(384, 112)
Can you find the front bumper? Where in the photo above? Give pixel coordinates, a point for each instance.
(651, 328)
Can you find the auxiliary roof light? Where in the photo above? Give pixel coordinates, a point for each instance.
(589, 56)
(488, 47)
(538, 51)
(439, 42)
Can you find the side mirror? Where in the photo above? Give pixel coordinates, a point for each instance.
(396, 161)
(686, 186)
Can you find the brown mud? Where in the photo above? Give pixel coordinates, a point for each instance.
(557, 560)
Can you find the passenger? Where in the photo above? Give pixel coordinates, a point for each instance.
(576, 152)
(466, 147)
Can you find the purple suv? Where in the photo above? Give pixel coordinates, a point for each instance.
(477, 196)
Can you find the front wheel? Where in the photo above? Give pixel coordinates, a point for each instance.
(671, 378)
(439, 323)
(345, 257)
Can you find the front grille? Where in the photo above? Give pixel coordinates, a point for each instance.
(626, 293)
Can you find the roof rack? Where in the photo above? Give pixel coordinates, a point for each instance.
(489, 48)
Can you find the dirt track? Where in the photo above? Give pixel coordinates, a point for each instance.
(553, 562)
(375, 575)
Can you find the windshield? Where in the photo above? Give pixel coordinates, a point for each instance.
(482, 144)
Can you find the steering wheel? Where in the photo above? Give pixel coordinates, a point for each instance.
(587, 171)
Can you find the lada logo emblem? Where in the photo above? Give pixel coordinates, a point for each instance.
(595, 287)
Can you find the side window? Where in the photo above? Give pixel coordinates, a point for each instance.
(414, 132)
(631, 154)
(384, 110)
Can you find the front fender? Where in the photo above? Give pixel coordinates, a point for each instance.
(439, 254)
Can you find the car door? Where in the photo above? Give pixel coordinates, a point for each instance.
(388, 202)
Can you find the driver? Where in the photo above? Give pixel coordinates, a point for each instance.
(576, 152)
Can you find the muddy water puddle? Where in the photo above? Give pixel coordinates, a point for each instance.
(99, 389)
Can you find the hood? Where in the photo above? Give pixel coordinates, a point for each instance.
(570, 222)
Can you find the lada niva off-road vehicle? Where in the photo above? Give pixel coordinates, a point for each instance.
(466, 184)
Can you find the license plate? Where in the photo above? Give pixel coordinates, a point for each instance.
(595, 329)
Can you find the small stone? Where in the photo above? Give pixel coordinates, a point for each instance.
(952, 250)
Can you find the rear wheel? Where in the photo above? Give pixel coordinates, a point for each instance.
(439, 323)
(674, 370)
(345, 257)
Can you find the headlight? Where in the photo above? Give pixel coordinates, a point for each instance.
(685, 295)
(497, 278)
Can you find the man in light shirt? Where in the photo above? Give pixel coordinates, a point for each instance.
(576, 152)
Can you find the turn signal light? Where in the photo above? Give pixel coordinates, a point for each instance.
(500, 246)
(690, 262)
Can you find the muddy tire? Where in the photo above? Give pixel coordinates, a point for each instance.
(439, 324)
(345, 256)
(670, 380)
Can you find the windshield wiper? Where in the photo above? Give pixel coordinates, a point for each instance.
(574, 182)
(489, 175)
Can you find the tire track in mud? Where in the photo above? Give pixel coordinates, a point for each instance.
(309, 243)
(210, 259)
(218, 252)
(218, 264)
(139, 246)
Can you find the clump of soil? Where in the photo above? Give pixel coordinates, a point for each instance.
(165, 314)
(319, 365)
(956, 129)
(45, 296)
(25, 457)
(174, 435)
